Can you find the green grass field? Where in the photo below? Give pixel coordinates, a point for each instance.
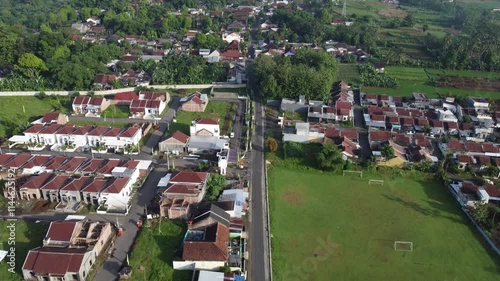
(348, 73)
(117, 111)
(28, 236)
(154, 252)
(12, 113)
(328, 227)
(416, 80)
(215, 109)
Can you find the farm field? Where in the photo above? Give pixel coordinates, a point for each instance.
(326, 225)
(28, 236)
(215, 109)
(417, 80)
(12, 114)
(348, 73)
(154, 252)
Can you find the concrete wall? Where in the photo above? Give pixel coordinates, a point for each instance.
(115, 91)
(198, 265)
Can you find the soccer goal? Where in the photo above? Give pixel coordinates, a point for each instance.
(360, 173)
(379, 182)
(403, 246)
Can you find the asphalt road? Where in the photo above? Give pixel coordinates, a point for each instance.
(259, 267)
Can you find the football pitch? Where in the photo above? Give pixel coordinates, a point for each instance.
(327, 227)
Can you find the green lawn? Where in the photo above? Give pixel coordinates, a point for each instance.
(28, 236)
(215, 109)
(154, 251)
(416, 80)
(13, 116)
(117, 111)
(328, 227)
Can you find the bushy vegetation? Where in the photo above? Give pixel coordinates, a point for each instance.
(370, 77)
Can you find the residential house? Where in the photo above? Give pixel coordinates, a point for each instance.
(196, 102)
(107, 168)
(116, 195)
(32, 133)
(54, 163)
(52, 117)
(5, 158)
(213, 57)
(205, 127)
(104, 80)
(50, 190)
(110, 139)
(71, 165)
(80, 27)
(35, 165)
(95, 136)
(184, 189)
(464, 161)
(230, 37)
(15, 163)
(92, 191)
(31, 188)
(131, 136)
(236, 26)
(376, 138)
(71, 192)
(62, 135)
(79, 137)
(231, 56)
(47, 135)
(174, 143)
(89, 106)
(149, 105)
(303, 133)
(92, 166)
(54, 263)
(238, 199)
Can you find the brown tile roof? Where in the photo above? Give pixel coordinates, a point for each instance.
(17, 161)
(95, 186)
(54, 261)
(56, 182)
(380, 136)
(36, 161)
(61, 230)
(454, 144)
(72, 164)
(207, 121)
(108, 166)
(116, 185)
(212, 248)
(65, 130)
(179, 188)
(112, 132)
(484, 160)
(180, 136)
(377, 117)
(4, 158)
(34, 129)
(81, 100)
(36, 182)
(98, 131)
(464, 159)
(468, 188)
(78, 184)
(473, 147)
(466, 126)
(55, 162)
(490, 148)
(190, 177)
(130, 164)
(437, 124)
(126, 96)
(451, 125)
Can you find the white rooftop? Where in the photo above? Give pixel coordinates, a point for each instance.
(210, 276)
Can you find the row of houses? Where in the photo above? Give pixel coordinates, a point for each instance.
(69, 250)
(71, 136)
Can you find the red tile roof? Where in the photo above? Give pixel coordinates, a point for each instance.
(108, 167)
(231, 54)
(437, 124)
(55, 162)
(130, 164)
(65, 130)
(379, 118)
(454, 144)
(4, 158)
(484, 160)
(473, 147)
(207, 121)
(112, 132)
(451, 125)
(180, 136)
(180, 188)
(98, 131)
(78, 184)
(81, 100)
(96, 186)
(50, 117)
(126, 96)
(17, 161)
(464, 159)
(96, 101)
(212, 248)
(34, 129)
(492, 190)
(490, 148)
(93, 165)
(81, 131)
(36, 161)
(380, 136)
(61, 231)
(190, 177)
(72, 164)
(54, 261)
(51, 129)
(130, 132)
(468, 188)
(36, 182)
(56, 182)
(116, 185)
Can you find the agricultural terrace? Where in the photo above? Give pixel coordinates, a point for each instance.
(426, 80)
(16, 112)
(327, 226)
(28, 236)
(225, 111)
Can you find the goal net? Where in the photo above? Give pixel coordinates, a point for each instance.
(379, 182)
(360, 173)
(403, 246)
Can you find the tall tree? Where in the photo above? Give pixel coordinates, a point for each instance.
(30, 65)
(330, 158)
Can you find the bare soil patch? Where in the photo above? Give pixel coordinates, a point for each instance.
(393, 13)
(293, 197)
(459, 82)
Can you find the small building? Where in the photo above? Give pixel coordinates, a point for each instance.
(196, 102)
(174, 143)
(205, 127)
(31, 189)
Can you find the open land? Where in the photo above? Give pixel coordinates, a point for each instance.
(215, 109)
(17, 111)
(117, 111)
(28, 236)
(154, 252)
(419, 80)
(326, 225)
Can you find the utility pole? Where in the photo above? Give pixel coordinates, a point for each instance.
(344, 10)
